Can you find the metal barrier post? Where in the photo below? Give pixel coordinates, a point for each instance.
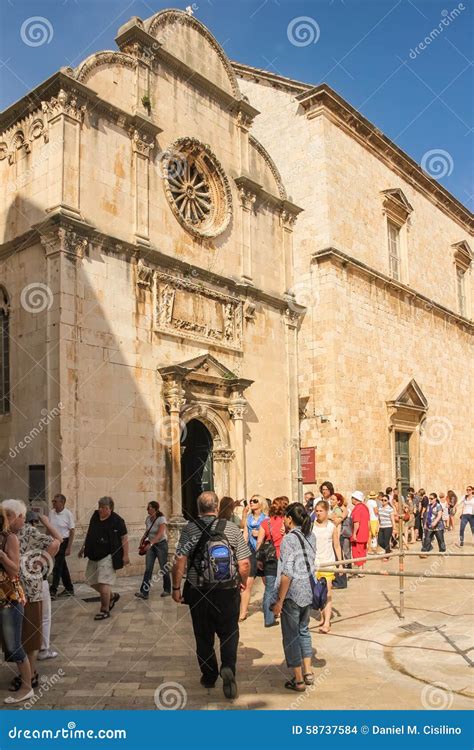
(401, 558)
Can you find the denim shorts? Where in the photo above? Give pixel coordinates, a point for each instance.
(11, 621)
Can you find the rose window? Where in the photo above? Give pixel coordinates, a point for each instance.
(197, 188)
(191, 194)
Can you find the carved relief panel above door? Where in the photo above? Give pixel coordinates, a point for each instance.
(183, 308)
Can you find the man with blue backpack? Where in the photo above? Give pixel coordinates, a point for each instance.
(217, 562)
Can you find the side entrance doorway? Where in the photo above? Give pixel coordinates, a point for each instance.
(197, 471)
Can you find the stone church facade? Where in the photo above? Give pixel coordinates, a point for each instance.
(191, 286)
(383, 264)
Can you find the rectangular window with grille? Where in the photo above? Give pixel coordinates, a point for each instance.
(36, 483)
(461, 278)
(4, 364)
(394, 250)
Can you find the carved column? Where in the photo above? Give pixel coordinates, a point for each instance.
(142, 144)
(174, 398)
(237, 412)
(64, 118)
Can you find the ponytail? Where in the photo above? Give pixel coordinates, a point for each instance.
(300, 517)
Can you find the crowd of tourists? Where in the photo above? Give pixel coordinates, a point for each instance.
(301, 551)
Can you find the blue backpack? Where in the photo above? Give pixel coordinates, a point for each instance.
(319, 586)
(214, 559)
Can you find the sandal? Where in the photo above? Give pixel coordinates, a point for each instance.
(15, 684)
(241, 619)
(308, 678)
(323, 631)
(102, 615)
(113, 600)
(300, 687)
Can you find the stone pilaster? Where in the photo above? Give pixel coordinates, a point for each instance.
(63, 118)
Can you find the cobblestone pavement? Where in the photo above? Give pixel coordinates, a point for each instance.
(371, 659)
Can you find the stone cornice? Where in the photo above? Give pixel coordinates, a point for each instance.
(322, 99)
(62, 80)
(249, 73)
(339, 258)
(244, 182)
(152, 255)
(318, 99)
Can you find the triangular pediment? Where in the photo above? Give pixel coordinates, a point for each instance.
(205, 367)
(208, 365)
(410, 396)
(463, 253)
(398, 196)
(397, 205)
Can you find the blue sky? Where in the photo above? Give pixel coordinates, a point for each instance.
(367, 50)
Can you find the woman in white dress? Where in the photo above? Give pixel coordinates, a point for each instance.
(328, 549)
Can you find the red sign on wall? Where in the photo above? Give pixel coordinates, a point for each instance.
(308, 465)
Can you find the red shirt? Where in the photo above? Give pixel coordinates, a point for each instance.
(360, 514)
(277, 525)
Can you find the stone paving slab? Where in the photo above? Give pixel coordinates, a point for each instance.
(119, 663)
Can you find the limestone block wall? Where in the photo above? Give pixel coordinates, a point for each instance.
(23, 432)
(338, 182)
(373, 345)
(358, 225)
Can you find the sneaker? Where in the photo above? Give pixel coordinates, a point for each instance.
(47, 653)
(53, 595)
(139, 595)
(230, 685)
(461, 544)
(165, 593)
(65, 592)
(207, 682)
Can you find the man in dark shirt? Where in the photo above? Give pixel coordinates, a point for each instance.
(214, 611)
(106, 547)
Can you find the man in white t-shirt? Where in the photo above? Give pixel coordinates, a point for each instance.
(63, 521)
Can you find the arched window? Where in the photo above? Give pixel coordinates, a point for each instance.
(4, 354)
